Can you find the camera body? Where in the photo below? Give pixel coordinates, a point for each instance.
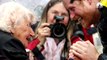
(58, 30)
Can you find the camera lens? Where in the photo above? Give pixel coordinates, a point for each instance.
(58, 30)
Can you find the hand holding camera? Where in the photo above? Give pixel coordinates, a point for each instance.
(43, 31)
(56, 30)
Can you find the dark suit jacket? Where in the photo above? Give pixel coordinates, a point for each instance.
(11, 48)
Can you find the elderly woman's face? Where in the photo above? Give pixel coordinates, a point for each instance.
(58, 10)
(23, 31)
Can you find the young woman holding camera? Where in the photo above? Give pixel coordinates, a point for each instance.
(51, 47)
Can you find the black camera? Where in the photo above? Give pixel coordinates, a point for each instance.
(58, 30)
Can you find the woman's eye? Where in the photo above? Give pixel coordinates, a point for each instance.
(64, 14)
(55, 12)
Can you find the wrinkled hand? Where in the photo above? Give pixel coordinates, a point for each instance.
(85, 50)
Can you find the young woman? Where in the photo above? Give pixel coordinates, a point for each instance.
(54, 48)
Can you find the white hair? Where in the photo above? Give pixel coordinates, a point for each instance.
(11, 13)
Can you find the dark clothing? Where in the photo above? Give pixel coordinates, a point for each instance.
(33, 47)
(38, 54)
(11, 48)
(102, 27)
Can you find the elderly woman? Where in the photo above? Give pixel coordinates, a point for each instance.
(15, 30)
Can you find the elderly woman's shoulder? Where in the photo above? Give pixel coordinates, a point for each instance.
(7, 38)
(11, 48)
(4, 36)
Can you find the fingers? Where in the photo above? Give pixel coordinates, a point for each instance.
(44, 30)
(79, 48)
(88, 42)
(44, 25)
(72, 56)
(85, 50)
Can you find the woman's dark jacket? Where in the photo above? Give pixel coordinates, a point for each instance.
(11, 48)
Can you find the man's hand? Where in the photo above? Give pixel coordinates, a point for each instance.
(85, 50)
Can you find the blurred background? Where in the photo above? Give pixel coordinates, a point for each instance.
(35, 6)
